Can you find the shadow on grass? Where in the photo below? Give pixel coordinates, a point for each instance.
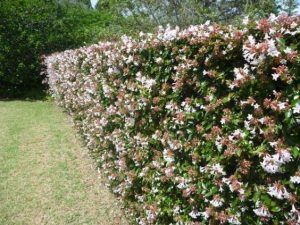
(31, 95)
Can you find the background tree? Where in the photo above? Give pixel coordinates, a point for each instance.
(288, 6)
(148, 14)
(32, 28)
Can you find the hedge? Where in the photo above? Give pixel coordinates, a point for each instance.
(193, 126)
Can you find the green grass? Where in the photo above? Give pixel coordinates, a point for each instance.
(46, 176)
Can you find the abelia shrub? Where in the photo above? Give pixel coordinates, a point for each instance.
(193, 126)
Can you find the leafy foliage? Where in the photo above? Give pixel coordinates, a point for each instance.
(193, 126)
(32, 28)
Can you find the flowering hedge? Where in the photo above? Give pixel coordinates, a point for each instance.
(194, 126)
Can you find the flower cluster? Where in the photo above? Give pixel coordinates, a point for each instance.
(193, 126)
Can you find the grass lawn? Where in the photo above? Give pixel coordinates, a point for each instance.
(46, 176)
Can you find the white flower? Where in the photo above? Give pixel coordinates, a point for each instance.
(296, 108)
(231, 86)
(247, 125)
(256, 106)
(270, 164)
(282, 105)
(233, 220)
(284, 156)
(262, 120)
(238, 75)
(238, 132)
(217, 169)
(202, 169)
(273, 143)
(176, 210)
(194, 214)
(217, 201)
(250, 117)
(275, 76)
(129, 122)
(222, 121)
(159, 60)
(272, 51)
(168, 34)
(110, 70)
(106, 89)
(150, 215)
(167, 156)
(182, 185)
(272, 17)
(169, 171)
(103, 121)
(246, 20)
(234, 185)
(295, 179)
(293, 25)
(241, 73)
(149, 83)
(288, 50)
(129, 59)
(278, 191)
(251, 40)
(262, 212)
(283, 61)
(205, 214)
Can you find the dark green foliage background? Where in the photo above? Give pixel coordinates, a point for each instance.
(30, 29)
